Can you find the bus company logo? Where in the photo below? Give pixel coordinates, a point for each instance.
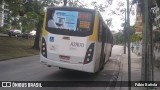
(51, 39)
(6, 84)
(76, 44)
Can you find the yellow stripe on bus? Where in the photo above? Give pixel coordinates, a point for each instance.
(94, 36)
(44, 31)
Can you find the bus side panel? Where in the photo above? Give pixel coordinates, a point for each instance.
(97, 54)
(44, 31)
(94, 38)
(108, 50)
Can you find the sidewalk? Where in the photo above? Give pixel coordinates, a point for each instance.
(135, 71)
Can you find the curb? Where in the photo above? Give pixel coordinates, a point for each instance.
(118, 77)
(17, 57)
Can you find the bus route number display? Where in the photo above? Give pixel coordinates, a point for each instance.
(84, 24)
(84, 20)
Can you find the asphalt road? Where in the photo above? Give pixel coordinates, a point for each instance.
(29, 69)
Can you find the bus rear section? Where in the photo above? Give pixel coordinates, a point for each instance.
(65, 39)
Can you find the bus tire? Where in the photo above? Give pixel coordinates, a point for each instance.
(61, 68)
(103, 62)
(101, 68)
(110, 53)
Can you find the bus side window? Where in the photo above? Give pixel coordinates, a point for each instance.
(103, 36)
(108, 37)
(100, 30)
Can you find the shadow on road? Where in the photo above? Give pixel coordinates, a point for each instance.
(71, 75)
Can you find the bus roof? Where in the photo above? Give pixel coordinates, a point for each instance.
(72, 8)
(103, 21)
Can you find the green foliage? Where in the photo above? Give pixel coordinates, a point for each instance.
(99, 7)
(120, 10)
(118, 38)
(136, 37)
(132, 30)
(4, 29)
(109, 22)
(27, 13)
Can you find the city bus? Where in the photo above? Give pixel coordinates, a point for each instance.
(75, 38)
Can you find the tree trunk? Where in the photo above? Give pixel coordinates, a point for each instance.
(38, 31)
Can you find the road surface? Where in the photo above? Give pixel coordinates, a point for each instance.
(29, 69)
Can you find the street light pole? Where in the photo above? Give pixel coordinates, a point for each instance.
(129, 54)
(146, 39)
(125, 34)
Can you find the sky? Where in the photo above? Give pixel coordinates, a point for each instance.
(116, 19)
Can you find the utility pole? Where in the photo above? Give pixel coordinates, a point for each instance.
(125, 34)
(152, 14)
(150, 40)
(129, 54)
(147, 39)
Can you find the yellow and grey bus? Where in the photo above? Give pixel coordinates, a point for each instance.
(75, 38)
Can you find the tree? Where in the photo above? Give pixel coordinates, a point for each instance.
(102, 8)
(118, 38)
(76, 3)
(120, 10)
(29, 13)
(136, 37)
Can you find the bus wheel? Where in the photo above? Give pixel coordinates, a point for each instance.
(61, 68)
(101, 68)
(110, 53)
(103, 62)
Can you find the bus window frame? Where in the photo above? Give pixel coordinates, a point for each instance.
(66, 32)
(100, 30)
(103, 36)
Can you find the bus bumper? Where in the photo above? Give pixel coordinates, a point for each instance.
(79, 67)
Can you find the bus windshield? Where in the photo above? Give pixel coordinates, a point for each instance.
(69, 21)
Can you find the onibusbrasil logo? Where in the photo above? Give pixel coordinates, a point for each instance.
(20, 84)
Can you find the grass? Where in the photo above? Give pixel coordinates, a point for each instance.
(16, 47)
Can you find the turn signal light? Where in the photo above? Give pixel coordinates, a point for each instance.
(89, 54)
(43, 48)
